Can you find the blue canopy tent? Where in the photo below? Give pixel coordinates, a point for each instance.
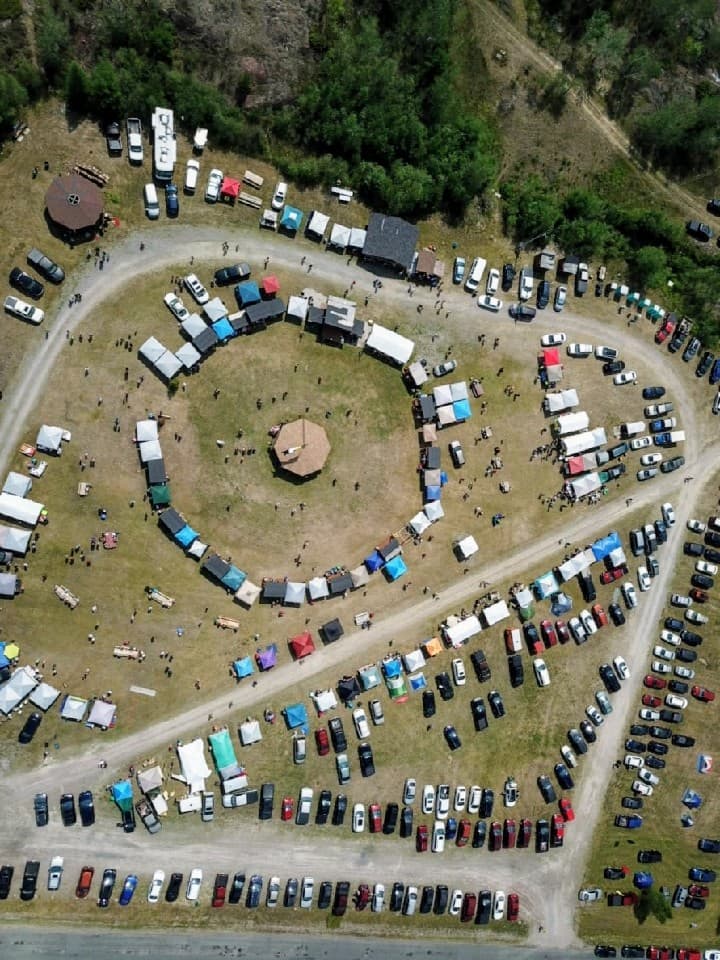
(461, 409)
(560, 604)
(247, 293)
(691, 799)
(233, 579)
(395, 568)
(643, 880)
(374, 561)
(186, 536)
(605, 545)
(432, 493)
(417, 682)
(243, 668)
(296, 716)
(122, 794)
(291, 219)
(224, 330)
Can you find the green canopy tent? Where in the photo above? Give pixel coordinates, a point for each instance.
(160, 495)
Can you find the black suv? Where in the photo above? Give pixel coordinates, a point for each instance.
(267, 796)
(480, 666)
(26, 284)
(41, 809)
(339, 810)
(323, 810)
(517, 672)
(6, 875)
(445, 689)
(337, 735)
(365, 755)
(233, 274)
(587, 587)
(543, 294)
(67, 809)
(508, 275)
(86, 807)
(608, 677)
(428, 702)
(30, 727)
(236, 888)
(173, 888)
(29, 880)
(391, 818)
(649, 856)
(479, 713)
(487, 803)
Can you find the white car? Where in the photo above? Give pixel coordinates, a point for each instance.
(633, 762)
(378, 898)
(627, 376)
(685, 673)
(526, 284)
(579, 349)
(493, 281)
(176, 307)
(428, 798)
(212, 190)
(716, 403)
(552, 339)
(621, 668)
(560, 299)
(594, 715)
(647, 714)
(280, 196)
(659, 666)
(663, 653)
(499, 905)
(156, 885)
(55, 872)
(192, 171)
(194, 883)
(588, 622)
(702, 566)
(568, 756)
(197, 290)
(460, 799)
(590, 895)
(646, 474)
(410, 902)
(305, 799)
(628, 591)
(644, 789)
(648, 776)
(358, 818)
(25, 311)
(668, 514)
(409, 791)
(651, 459)
(644, 581)
(473, 804)
(458, 670)
(677, 703)
(272, 895)
(711, 954)
(456, 899)
(639, 443)
(442, 806)
(667, 636)
(306, 892)
(692, 616)
(438, 837)
(487, 302)
(577, 629)
(511, 794)
(680, 600)
(542, 674)
(697, 526)
(376, 712)
(362, 727)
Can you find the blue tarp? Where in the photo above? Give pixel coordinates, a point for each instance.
(395, 568)
(461, 409)
(443, 478)
(643, 880)
(560, 604)
(247, 293)
(291, 218)
(186, 536)
(392, 667)
(122, 794)
(296, 716)
(224, 329)
(417, 681)
(433, 493)
(374, 561)
(605, 545)
(243, 668)
(234, 578)
(691, 799)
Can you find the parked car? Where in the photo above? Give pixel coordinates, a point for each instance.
(212, 190)
(40, 806)
(24, 311)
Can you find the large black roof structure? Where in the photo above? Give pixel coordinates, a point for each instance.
(391, 240)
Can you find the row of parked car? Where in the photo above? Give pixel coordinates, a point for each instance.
(31, 287)
(657, 953)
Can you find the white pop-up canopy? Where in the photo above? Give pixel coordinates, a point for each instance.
(146, 430)
(466, 547)
(390, 344)
(193, 765)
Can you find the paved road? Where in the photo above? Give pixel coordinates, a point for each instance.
(548, 884)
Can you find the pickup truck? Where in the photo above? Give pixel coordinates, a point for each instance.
(134, 137)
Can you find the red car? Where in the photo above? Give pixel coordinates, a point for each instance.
(697, 890)
(375, 824)
(650, 701)
(699, 596)
(463, 834)
(495, 835)
(660, 953)
(599, 614)
(525, 833)
(548, 633)
(702, 693)
(614, 573)
(561, 628)
(688, 953)
(468, 907)
(219, 890)
(362, 897)
(513, 907)
(85, 882)
(509, 834)
(668, 327)
(322, 741)
(421, 838)
(655, 683)
(557, 830)
(288, 805)
(566, 809)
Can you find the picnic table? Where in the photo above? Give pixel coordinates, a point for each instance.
(110, 540)
(66, 596)
(83, 489)
(227, 623)
(161, 598)
(127, 653)
(361, 618)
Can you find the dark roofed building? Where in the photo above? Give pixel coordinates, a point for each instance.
(391, 240)
(264, 312)
(339, 324)
(171, 521)
(216, 567)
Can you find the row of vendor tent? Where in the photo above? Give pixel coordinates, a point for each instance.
(568, 423)
(102, 714)
(449, 403)
(10, 586)
(389, 345)
(584, 486)
(346, 238)
(20, 509)
(180, 531)
(50, 439)
(583, 442)
(580, 464)
(148, 441)
(560, 400)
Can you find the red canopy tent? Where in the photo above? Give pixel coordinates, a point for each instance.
(230, 188)
(271, 285)
(551, 357)
(302, 645)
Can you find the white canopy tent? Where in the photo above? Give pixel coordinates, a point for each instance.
(318, 224)
(193, 766)
(247, 593)
(418, 524)
(339, 236)
(73, 708)
(414, 660)
(466, 547)
(188, 356)
(150, 779)
(102, 714)
(44, 696)
(250, 732)
(151, 350)
(168, 365)
(433, 511)
(294, 593)
(17, 484)
(14, 540)
(442, 394)
(459, 631)
(49, 439)
(417, 373)
(215, 309)
(297, 308)
(359, 576)
(20, 509)
(150, 450)
(192, 326)
(324, 700)
(585, 485)
(562, 400)
(446, 415)
(318, 588)
(495, 613)
(572, 422)
(581, 442)
(390, 344)
(358, 236)
(146, 430)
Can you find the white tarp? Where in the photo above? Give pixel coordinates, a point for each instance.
(358, 237)
(250, 732)
(20, 509)
(318, 224)
(572, 422)
(102, 714)
(14, 540)
(247, 593)
(151, 350)
(294, 592)
(44, 696)
(193, 766)
(585, 485)
(339, 236)
(413, 661)
(150, 779)
(617, 557)
(581, 442)
(419, 523)
(17, 484)
(442, 394)
(433, 511)
(495, 613)
(461, 630)
(150, 450)
(324, 700)
(562, 400)
(146, 430)
(49, 439)
(318, 588)
(390, 344)
(466, 547)
(576, 564)
(524, 598)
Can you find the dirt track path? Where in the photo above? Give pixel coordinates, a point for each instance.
(532, 876)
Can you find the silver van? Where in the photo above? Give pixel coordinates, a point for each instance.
(152, 206)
